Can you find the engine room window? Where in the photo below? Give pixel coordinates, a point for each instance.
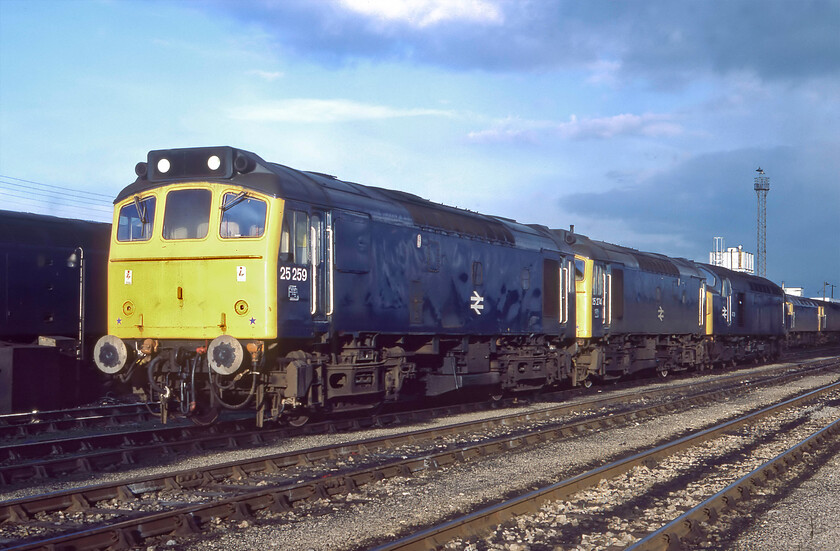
(136, 220)
(294, 237)
(432, 256)
(477, 273)
(187, 214)
(242, 216)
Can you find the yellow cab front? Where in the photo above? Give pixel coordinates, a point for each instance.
(192, 261)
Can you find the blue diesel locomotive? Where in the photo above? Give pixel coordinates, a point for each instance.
(235, 282)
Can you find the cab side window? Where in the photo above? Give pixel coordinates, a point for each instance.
(580, 267)
(136, 220)
(598, 281)
(294, 237)
(242, 216)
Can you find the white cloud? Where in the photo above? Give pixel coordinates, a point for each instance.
(501, 135)
(512, 130)
(423, 13)
(270, 76)
(648, 124)
(326, 111)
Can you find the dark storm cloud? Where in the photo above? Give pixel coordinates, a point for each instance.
(712, 195)
(661, 40)
(774, 39)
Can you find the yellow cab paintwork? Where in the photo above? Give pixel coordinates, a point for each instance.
(583, 296)
(710, 314)
(188, 288)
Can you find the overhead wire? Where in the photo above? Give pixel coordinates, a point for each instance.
(54, 200)
(9, 187)
(93, 193)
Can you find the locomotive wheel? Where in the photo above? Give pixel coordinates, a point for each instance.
(204, 416)
(297, 419)
(663, 374)
(587, 383)
(496, 395)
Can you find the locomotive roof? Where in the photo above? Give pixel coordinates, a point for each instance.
(248, 170)
(647, 261)
(742, 280)
(802, 301)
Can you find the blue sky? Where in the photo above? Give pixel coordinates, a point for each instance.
(641, 122)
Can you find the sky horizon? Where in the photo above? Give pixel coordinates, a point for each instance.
(641, 123)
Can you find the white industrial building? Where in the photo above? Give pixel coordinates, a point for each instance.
(736, 259)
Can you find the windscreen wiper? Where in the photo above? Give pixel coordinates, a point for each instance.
(241, 196)
(141, 209)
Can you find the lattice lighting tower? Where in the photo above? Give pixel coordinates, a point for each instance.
(762, 186)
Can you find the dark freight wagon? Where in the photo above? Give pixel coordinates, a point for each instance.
(52, 291)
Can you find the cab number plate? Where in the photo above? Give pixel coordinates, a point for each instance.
(293, 273)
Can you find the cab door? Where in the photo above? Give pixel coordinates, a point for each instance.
(321, 266)
(600, 299)
(590, 283)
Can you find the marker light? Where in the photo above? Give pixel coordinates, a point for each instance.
(214, 162)
(163, 166)
(243, 164)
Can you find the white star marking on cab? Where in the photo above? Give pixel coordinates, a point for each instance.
(661, 315)
(477, 302)
(724, 311)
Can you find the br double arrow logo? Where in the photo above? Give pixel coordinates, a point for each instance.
(477, 302)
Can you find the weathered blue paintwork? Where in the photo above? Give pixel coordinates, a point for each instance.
(392, 275)
(400, 264)
(648, 294)
(744, 304)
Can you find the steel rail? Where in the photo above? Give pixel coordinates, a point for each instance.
(671, 534)
(26, 507)
(484, 519)
(127, 449)
(279, 497)
(26, 425)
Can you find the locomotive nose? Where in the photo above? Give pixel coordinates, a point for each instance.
(110, 354)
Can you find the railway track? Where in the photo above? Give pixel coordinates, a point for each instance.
(63, 424)
(239, 490)
(23, 463)
(613, 504)
(17, 426)
(701, 520)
